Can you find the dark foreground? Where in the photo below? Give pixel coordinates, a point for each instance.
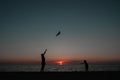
(101, 75)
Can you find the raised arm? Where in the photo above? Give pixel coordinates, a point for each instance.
(45, 51)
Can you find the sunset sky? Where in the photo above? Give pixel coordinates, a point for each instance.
(90, 29)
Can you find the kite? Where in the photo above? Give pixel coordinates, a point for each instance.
(59, 32)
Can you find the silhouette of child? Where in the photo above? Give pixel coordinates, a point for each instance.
(86, 65)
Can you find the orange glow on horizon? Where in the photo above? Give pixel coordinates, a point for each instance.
(60, 62)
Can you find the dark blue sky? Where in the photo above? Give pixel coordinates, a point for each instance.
(90, 29)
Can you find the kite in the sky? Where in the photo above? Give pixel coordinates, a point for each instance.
(59, 32)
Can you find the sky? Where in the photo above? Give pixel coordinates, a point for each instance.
(90, 29)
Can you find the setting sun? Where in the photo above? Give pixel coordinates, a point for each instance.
(60, 62)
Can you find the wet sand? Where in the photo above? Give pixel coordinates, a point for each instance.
(94, 75)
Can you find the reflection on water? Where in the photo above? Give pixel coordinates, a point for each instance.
(36, 68)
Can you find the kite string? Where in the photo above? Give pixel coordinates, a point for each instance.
(51, 44)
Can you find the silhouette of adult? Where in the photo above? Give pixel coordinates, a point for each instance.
(43, 60)
(86, 65)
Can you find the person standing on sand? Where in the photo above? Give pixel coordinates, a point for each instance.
(86, 65)
(43, 61)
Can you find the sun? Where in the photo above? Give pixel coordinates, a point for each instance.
(60, 62)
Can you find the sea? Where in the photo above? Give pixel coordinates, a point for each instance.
(57, 68)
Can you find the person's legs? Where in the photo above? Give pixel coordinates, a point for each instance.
(42, 67)
(86, 69)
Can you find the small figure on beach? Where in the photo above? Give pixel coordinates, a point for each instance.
(86, 65)
(43, 60)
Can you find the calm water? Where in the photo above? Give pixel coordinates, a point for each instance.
(36, 68)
